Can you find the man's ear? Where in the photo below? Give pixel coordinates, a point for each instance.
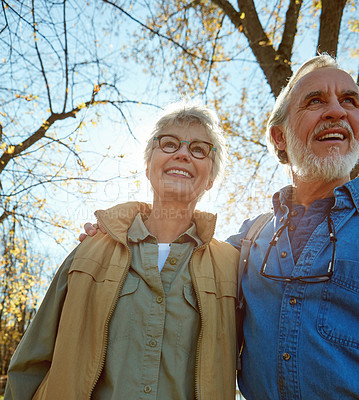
(147, 171)
(278, 137)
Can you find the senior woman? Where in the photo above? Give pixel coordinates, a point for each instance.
(146, 311)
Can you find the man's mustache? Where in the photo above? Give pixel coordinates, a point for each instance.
(330, 125)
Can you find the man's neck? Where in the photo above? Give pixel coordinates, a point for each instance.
(306, 192)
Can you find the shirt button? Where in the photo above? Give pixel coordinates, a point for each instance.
(283, 254)
(159, 299)
(292, 228)
(152, 343)
(147, 389)
(173, 261)
(292, 301)
(286, 356)
(294, 213)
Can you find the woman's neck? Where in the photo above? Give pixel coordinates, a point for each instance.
(167, 221)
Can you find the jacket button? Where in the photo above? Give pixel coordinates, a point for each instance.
(152, 343)
(294, 213)
(283, 254)
(292, 228)
(147, 389)
(173, 261)
(286, 356)
(292, 301)
(159, 299)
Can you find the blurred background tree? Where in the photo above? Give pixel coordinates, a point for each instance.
(82, 79)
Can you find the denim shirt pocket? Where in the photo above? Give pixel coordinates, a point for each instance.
(338, 318)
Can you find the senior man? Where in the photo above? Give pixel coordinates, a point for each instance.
(301, 286)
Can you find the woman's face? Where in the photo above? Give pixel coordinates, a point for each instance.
(179, 176)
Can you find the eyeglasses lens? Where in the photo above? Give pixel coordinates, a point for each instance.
(198, 149)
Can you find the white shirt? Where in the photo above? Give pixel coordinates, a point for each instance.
(163, 251)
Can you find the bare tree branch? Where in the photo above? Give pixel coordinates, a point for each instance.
(160, 35)
(213, 54)
(231, 12)
(39, 56)
(66, 56)
(290, 29)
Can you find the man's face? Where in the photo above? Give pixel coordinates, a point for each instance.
(323, 125)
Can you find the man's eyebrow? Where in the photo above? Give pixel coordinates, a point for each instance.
(312, 94)
(316, 93)
(350, 92)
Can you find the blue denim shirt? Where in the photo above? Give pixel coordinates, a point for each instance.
(301, 339)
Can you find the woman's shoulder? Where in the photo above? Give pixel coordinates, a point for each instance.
(223, 250)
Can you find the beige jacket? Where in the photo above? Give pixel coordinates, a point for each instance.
(95, 280)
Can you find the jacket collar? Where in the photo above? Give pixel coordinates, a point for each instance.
(117, 220)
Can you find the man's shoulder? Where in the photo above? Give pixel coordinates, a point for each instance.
(262, 219)
(353, 187)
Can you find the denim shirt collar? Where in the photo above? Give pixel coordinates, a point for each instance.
(282, 199)
(347, 196)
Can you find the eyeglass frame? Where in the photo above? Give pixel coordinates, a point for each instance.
(189, 143)
(303, 279)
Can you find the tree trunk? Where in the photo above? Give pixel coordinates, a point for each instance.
(330, 20)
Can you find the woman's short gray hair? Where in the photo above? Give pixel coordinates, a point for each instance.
(185, 113)
(280, 113)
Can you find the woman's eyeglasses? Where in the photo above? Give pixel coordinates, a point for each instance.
(305, 279)
(197, 148)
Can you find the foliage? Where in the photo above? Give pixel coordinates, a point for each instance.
(223, 53)
(20, 281)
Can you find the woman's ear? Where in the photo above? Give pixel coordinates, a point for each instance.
(209, 185)
(278, 137)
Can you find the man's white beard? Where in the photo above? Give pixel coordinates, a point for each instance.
(309, 167)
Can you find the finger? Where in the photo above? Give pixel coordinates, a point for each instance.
(102, 229)
(90, 229)
(82, 237)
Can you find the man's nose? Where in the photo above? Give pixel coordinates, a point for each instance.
(334, 111)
